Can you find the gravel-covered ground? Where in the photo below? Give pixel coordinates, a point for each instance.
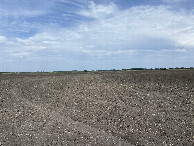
(98, 108)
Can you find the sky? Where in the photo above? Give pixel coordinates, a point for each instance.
(65, 35)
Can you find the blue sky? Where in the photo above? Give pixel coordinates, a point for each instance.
(42, 35)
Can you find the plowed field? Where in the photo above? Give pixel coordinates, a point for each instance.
(98, 108)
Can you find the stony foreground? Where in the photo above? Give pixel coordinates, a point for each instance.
(98, 108)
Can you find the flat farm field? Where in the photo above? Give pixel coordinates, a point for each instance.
(97, 108)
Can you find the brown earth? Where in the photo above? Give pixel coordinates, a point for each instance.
(98, 108)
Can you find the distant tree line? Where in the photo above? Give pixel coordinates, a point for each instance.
(176, 68)
(159, 68)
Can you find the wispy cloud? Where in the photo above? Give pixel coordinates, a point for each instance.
(99, 11)
(21, 54)
(2, 39)
(175, 1)
(77, 3)
(23, 13)
(180, 50)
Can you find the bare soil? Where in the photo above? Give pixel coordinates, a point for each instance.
(98, 108)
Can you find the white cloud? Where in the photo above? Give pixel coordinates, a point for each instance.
(21, 54)
(109, 52)
(99, 11)
(174, 1)
(129, 26)
(185, 39)
(21, 12)
(2, 39)
(180, 50)
(75, 3)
